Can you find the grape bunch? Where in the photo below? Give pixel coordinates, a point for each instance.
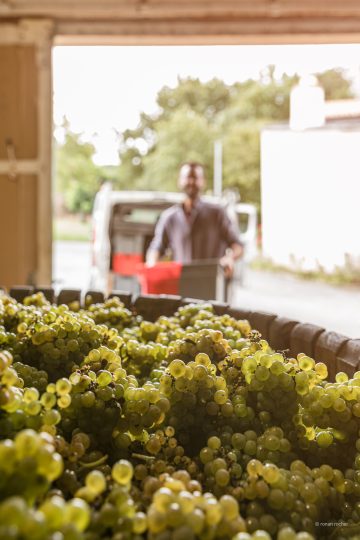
(28, 465)
(188, 427)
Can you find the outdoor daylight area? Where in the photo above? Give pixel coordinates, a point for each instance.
(132, 115)
(179, 270)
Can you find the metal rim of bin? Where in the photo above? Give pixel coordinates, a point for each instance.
(338, 352)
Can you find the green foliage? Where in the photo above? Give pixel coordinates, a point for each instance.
(76, 175)
(206, 99)
(193, 115)
(241, 160)
(190, 118)
(186, 136)
(335, 85)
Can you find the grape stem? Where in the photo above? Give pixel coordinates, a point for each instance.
(142, 456)
(94, 463)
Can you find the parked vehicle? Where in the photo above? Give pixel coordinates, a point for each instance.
(123, 224)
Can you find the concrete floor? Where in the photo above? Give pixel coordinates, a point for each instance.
(334, 308)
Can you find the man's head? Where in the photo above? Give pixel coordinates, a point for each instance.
(191, 179)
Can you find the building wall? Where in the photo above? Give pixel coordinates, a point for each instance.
(310, 190)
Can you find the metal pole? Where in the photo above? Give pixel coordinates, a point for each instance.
(217, 168)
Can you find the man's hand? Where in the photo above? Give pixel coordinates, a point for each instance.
(152, 257)
(228, 261)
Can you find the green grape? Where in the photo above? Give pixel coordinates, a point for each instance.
(254, 467)
(260, 534)
(276, 499)
(186, 501)
(339, 405)
(270, 473)
(203, 358)
(222, 477)
(48, 400)
(306, 363)
(33, 408)
(177, 368)
(122, 472)
(64, 401)
(51, 417)
(139, 523)
(156, 520)
(75, 378)
(53, 510)
(27, 443)
(163, 498)
(324, 439)
(31, 394)
(250, 448)
(287, 533)
(54, 467)
(104, 378)
(356, 410)
(220, 397)
(262, 373)
(341, 377)
(77, 513)
(63, 386)
(88, 399)
(96, 482)
(206, 455)
(214, 443)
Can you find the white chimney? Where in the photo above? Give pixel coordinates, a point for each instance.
(307, 104)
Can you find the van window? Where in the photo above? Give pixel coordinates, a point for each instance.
(243, 222)
(142, 215)
(132, 226)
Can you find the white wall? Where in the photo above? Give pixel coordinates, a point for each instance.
(310, 189)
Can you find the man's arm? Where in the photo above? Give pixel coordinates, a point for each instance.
(159, 243)
(235, 248)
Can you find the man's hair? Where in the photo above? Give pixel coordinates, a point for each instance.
(193, 165)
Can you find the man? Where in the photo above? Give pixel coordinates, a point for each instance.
(195, 229)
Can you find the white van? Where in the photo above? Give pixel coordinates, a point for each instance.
(123, 224)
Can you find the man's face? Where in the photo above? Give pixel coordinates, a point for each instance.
(191, 180)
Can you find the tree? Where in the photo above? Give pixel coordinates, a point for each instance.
(241, 160)
(206, 99)
(335, 84)
(185, 136)
(76, 175)
(190, 117)
(136, 146)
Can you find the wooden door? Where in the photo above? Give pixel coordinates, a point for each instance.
(25, 155)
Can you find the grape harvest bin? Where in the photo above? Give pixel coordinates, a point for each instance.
(338, 352)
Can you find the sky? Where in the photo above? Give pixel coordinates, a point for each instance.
(102, 90)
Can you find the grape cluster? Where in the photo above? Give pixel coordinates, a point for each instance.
(180, 507)
(54, 518)
(28, 464)
(112, 313)
(189, 427)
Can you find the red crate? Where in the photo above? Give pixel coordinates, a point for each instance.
(126, 263)
(162, 278)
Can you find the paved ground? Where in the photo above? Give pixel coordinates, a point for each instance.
(334, 308)
(71, 264)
